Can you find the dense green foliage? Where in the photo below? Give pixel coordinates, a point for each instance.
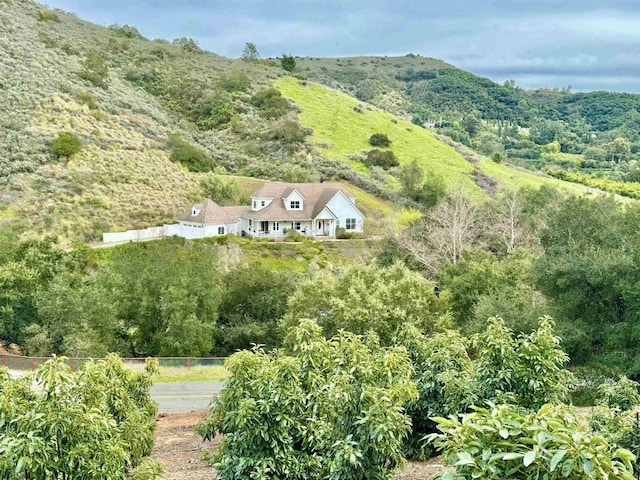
(501, 442)
(381, 158)
(327, 409)
(379, 140)
(526, 370)
(66, 144)
(366, 298)
(191, 157)
(95, 423)
(288, 63)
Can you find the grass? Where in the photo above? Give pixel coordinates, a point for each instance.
(345, 132)
(215, 373)
(334, 121)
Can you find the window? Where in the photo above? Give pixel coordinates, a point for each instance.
(249, 224)
(264, 227)
(221, 230)
(276, 226)
(262, 203)
(295, 205)
(297, 225)
(254, 204)
(351, 223)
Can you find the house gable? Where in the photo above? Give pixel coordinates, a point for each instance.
(294, 200)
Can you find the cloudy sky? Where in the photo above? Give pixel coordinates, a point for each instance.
(587, 44)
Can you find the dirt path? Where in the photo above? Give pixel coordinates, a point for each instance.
(180, 451)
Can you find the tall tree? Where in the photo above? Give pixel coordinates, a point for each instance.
(250, 52)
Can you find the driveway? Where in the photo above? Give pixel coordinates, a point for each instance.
(184, 396)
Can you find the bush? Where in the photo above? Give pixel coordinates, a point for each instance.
(95, 423)
(288, 63)
(289, 131)
(191, 157)
(292, 235)
(66, 144)
(343, 234)
(235, 81)
(379, 140)
(380, 158)
(501, 443)
(95, 69)
(271, 103)
(219, 189)
(331, 409)
(214, 112)
(47, 16)
(622, 394)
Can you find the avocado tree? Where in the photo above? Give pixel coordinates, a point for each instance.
(328, 408)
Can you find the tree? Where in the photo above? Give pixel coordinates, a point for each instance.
(66, 144)
(471, 124)
(619, 150)
(250, 52)
(95, 423)
(444, 234)
(167, 297)
(253, 302)
(329, 409)
(411, 177)
(220, 189)
(288, 62)
(366, 298)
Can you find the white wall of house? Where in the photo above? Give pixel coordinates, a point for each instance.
(343, 209)
(294, 196)
(258, 203)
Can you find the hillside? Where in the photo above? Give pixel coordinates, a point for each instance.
(593, 133)
(123, 96)
(154, 117)
(342, 130)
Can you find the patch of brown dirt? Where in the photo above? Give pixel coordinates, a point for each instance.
(180, 451)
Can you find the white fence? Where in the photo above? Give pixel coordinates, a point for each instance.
(151, 233)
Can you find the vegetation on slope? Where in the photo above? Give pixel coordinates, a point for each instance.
(342, 127)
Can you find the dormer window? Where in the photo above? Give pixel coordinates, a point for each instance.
(254, 204)
(194, 211)
(294, 205)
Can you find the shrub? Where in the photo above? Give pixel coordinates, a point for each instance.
(219, 189)
(191, 157)
(47, 16)
(380, 158)
(292, 235)
(331, 409)
(288, 63)
(500, 442)
(271, 103)
(379, 140)
(95, 423)
(66, 144)
(343, 234)
(235, 81)
(214, 112)
(289, 131)
(622, 394)
(95, 69)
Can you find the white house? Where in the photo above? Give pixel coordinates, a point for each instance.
(312, 209)
(206, 219)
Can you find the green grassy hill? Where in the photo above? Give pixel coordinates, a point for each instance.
(342, 127)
